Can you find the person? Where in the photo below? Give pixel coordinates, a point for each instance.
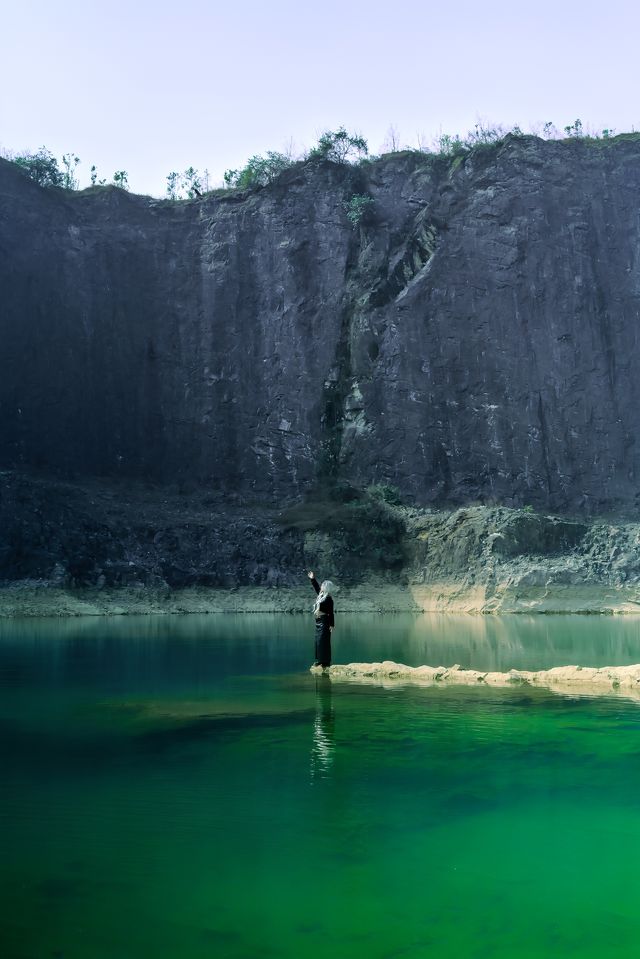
(325, 620)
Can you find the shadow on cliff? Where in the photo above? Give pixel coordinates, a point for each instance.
(352, 531)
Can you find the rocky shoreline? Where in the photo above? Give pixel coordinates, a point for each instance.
(579, 679)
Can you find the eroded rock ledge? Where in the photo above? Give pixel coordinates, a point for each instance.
(582, 679)
(105, 547)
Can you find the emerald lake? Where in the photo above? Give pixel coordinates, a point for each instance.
(184, 788)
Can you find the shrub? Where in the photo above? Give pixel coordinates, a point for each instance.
(41, 166)
(481, 137)
(173, 185)
(94, 177)
(574, 129)
(386, 493)
(188, 185)
(450, 146)
(339, 146)
(259, 171)
(69, 179)
(358, 208)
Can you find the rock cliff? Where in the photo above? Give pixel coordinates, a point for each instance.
(474, 339)
(194, 395)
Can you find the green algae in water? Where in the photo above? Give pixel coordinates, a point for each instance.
(155, 806)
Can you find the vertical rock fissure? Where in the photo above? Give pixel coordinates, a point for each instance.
(336, 390)
(544, 442)
(338, 384)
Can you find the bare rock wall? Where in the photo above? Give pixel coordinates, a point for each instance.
(474, 340)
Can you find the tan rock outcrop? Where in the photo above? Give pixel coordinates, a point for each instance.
(581, 679)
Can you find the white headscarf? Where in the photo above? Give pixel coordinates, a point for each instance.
(326, 589)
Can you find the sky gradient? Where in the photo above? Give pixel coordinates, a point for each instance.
(156, 87)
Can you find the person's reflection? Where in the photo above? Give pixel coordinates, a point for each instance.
(323, 745)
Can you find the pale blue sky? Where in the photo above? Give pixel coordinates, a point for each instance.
(151, 87)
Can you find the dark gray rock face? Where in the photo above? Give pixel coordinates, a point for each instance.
(476, 339)
(127, 534)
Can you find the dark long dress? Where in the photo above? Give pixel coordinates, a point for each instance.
(324, 623)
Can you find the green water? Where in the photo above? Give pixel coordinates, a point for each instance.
(182, 788)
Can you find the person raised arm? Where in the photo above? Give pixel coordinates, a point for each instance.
(314, 581)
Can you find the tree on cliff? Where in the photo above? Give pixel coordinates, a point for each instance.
(69, 178)
(191, 182)
(41, 166)
(258, 171)
(339, 146)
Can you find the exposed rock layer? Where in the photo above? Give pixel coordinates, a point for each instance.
(476, 340)
(107, 547)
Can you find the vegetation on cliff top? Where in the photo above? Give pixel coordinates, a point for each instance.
(335, 146)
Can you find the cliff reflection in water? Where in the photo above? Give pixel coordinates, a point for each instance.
(200, 651)
(523, 642)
